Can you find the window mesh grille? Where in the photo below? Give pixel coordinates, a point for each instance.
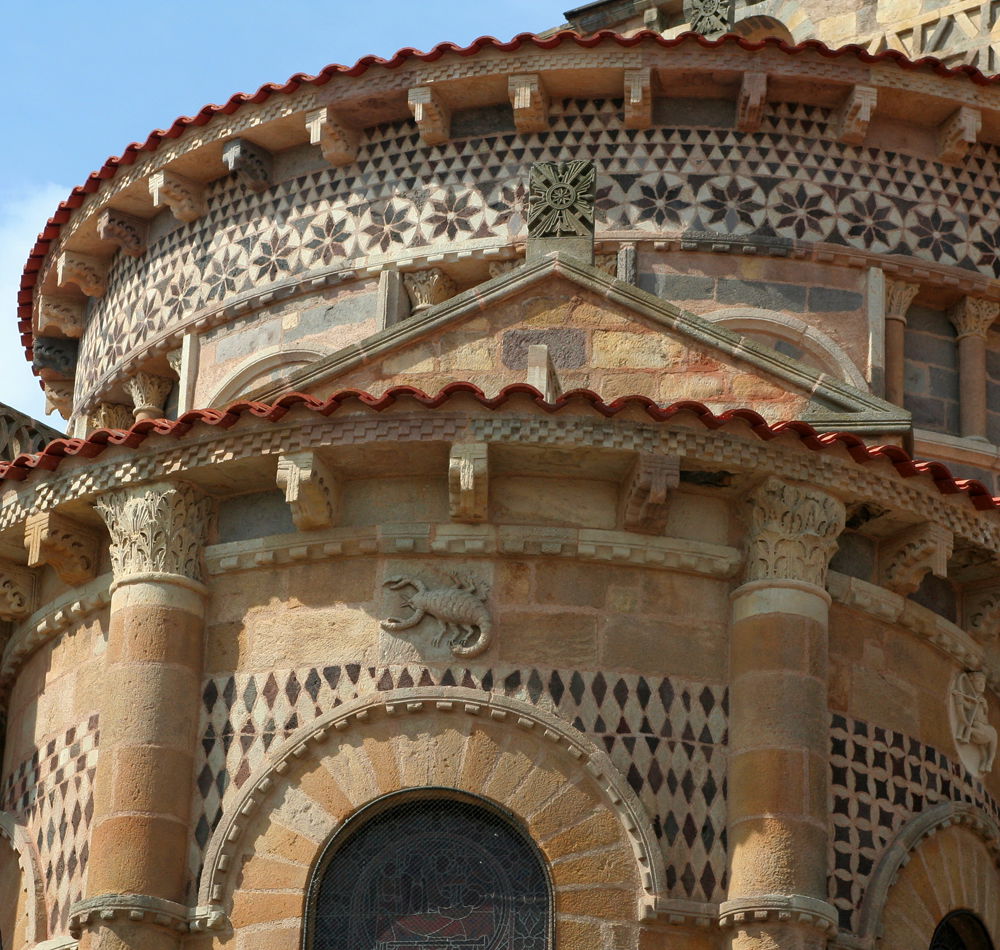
(431, 874)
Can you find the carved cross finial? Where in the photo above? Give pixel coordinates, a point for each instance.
(561, 199)
(311, 490)
(710, 17)
(157, 528)
(792, 532)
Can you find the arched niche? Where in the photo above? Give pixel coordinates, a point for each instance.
(593, 833)
(263, 367)
(22, 901)
(814, 346)
(942, 861)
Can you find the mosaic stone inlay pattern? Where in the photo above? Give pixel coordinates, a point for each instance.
(667, 737)
(52, 793)
(880, 779)
(790, 181)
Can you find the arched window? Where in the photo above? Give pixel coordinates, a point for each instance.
(961, 930)
(442, 870)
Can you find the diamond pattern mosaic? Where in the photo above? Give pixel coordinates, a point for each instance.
(880, 779)
(52, 793)
(790, 181)
(667, 737)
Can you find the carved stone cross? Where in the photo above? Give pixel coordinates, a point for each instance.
(561, 210)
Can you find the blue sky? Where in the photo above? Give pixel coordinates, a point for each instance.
(84, 81)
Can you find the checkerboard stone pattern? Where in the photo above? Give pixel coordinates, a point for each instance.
(667, 736)
(691, 176)
(52, 792)
(879, 780)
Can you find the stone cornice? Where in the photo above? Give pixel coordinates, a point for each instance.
(104, 909)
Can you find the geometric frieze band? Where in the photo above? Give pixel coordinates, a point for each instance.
(880, 779)
(791, 181)
(666, 736)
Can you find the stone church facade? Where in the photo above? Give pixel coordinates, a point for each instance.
(432, 561)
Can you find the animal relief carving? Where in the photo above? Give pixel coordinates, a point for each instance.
(461, 611)
(976, 738)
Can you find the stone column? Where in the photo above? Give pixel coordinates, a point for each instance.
(138, 851)
(898, 297)
(779, 725)
(973, 318)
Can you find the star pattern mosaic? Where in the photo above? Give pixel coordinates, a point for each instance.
(790, 181)
(879, 780)
(666, 736)
(52, 792)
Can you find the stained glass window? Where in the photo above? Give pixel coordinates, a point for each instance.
(433, 873)
(961, 930)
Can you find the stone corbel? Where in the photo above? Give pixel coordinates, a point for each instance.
(751, 101)
(251, 164)
(18, 591)
(646, 492)
(973, 316)
(338, 142)
(109, 415)
(468, 482)
(958, 133)
(59, 397)
(638, 98)
(432, 115)
(906, 557)
(149, 393)
(54, 357)
(184, 197)
(311, 490)
(981, 613)
(67, 546)
(89, 273)
(852, 118)
(65, 315)
(530, 102)
(428, 288)
(129, 233)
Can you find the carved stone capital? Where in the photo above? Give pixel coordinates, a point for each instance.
(17, 591)
(899, 295)
(427, 288)
(530, 102)
(157, 528)
(751, 101)
(54, 357)
(973, 316)
(59, 397)
(65, 315)
(855, 114)
(561, 199)
(906, 557)
(89, 273)
(792, 532)
(251, 164)
(128, 232)
(110, 415)
(338, 142)
(184, 197)
(638, 104)
(149, 393)
(311, 490)
(981, 612)
(646, 492)
(958, 133)
(70, 548)
(432, 115)
(468, 482)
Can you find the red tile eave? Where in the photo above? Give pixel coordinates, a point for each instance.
(110, 167)
(94, 444)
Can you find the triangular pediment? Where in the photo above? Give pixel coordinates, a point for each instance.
(602, 334)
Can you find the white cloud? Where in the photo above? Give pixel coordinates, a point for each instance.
(23, 213)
